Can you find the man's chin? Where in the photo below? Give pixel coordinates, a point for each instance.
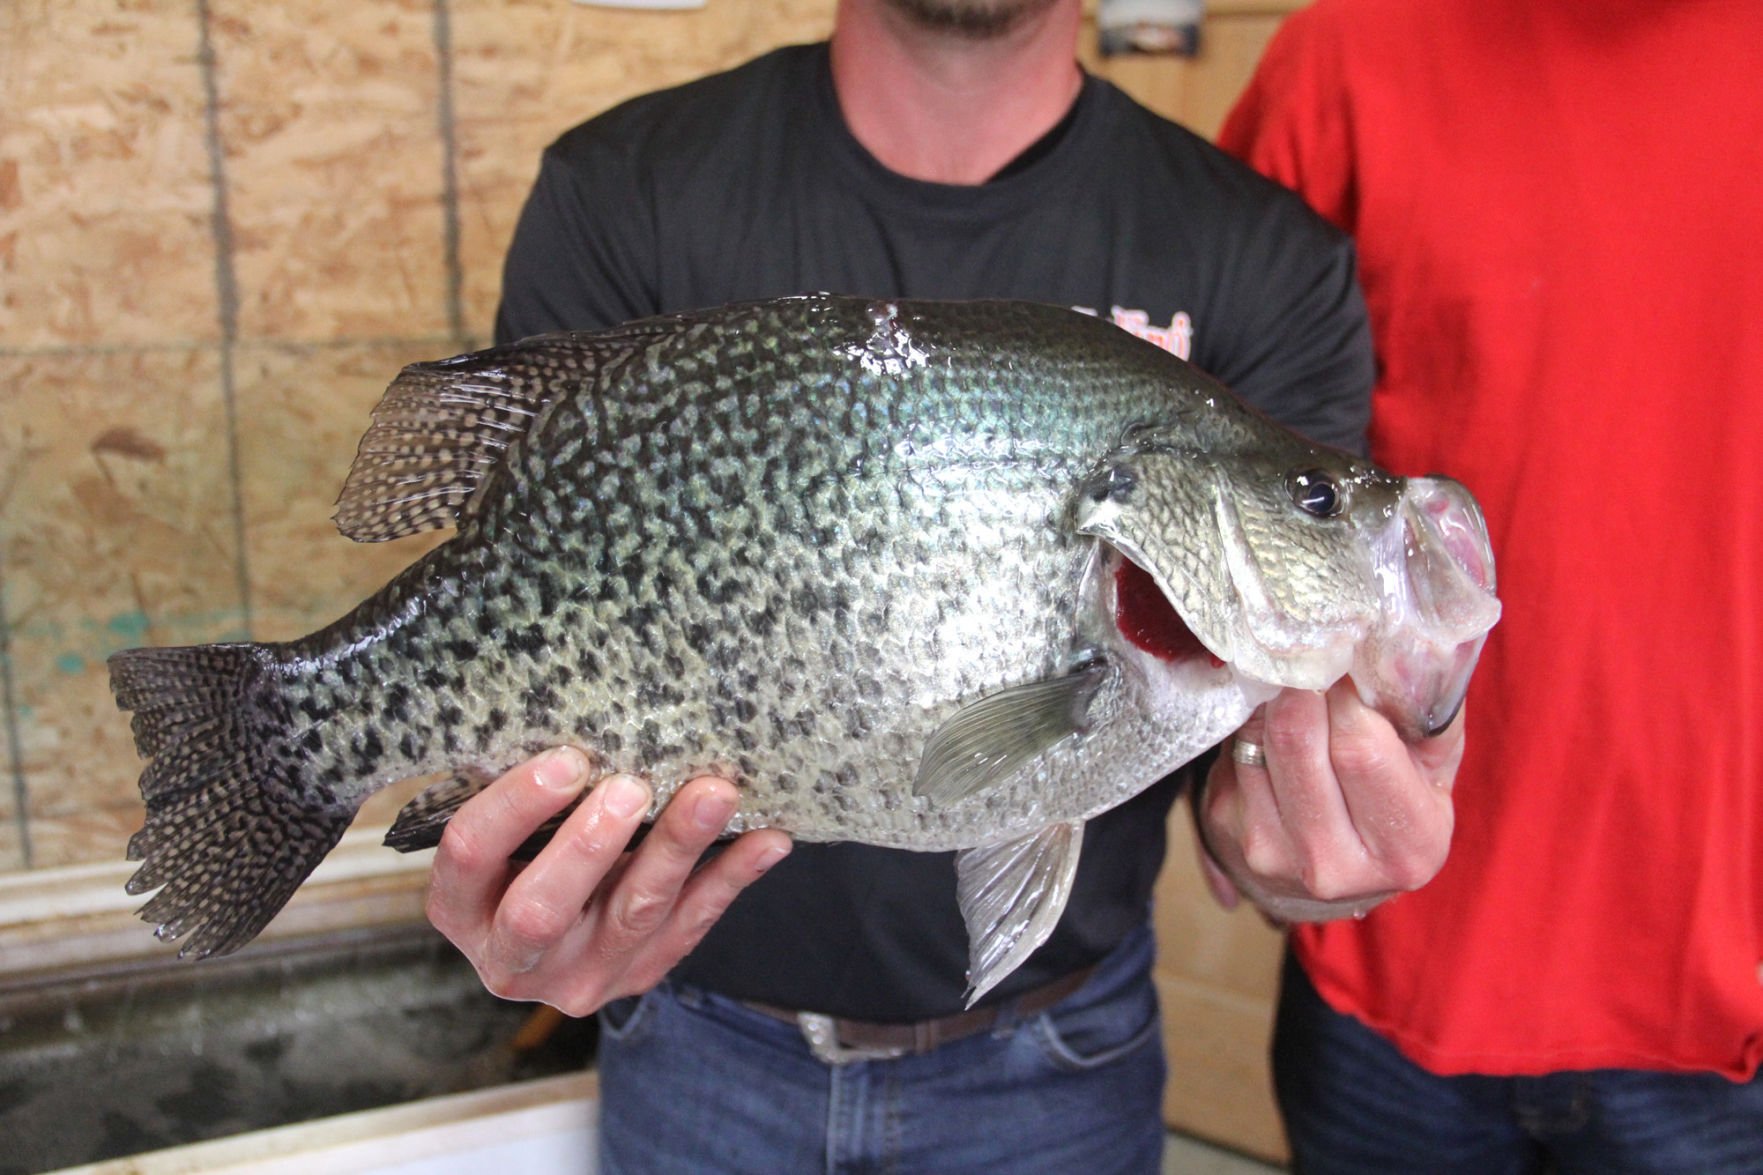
(980, 19)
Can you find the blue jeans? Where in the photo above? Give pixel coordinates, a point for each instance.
(692, 1081)
(1354, 1105)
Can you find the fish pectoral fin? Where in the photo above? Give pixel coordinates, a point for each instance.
(421, 821)
(989, 741)
(1011, 897)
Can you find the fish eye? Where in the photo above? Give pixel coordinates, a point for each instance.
(1316, 492)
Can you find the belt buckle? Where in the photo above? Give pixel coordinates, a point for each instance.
(822, 1034)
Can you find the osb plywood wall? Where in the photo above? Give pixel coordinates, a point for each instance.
(223, 227)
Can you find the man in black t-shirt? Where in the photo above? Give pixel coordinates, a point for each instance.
(954, 149)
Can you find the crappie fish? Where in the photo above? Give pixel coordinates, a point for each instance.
(935, 576)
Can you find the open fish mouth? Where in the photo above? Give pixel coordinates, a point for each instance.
(1149, 620)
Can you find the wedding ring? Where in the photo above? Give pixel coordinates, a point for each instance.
(1247, 753)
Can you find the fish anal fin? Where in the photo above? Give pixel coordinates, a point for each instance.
(987, 742)
(420, 822)
(1011, 897)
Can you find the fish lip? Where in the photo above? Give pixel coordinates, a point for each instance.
(1437, 580)
(1416, 714)
(1466, 541)
(1440, 725)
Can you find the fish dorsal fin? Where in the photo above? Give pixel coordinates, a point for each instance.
(1011, 897)
(990, 740)
(442, 426)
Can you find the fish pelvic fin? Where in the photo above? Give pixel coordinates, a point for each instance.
(990, 740)
(232, 828)
(1011, 897)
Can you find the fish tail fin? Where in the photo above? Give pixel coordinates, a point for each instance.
(233, 826)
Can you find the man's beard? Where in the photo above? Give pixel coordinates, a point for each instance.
(979, 19)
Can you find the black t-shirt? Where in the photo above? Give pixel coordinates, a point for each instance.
(748, 185)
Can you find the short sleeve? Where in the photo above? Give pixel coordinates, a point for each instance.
(582, 253)
(1292, 122)
(1301, 339)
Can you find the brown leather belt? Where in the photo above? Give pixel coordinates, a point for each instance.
(837, 1040)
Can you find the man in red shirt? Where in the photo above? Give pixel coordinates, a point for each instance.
(1559, 214)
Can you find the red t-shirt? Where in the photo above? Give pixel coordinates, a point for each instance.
(1559, 214)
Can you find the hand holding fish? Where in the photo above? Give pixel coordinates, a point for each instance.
(1340, 815)
(587, 920)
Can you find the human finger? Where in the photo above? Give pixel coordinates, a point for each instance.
(1244, 804)
(471, 867)
(654, 906)
(1243, 849)
(1299, 738)
(1223, 890)
(1397, 794)
(1290, 846)
(704, 899)
(547, 899)
(659, 869)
